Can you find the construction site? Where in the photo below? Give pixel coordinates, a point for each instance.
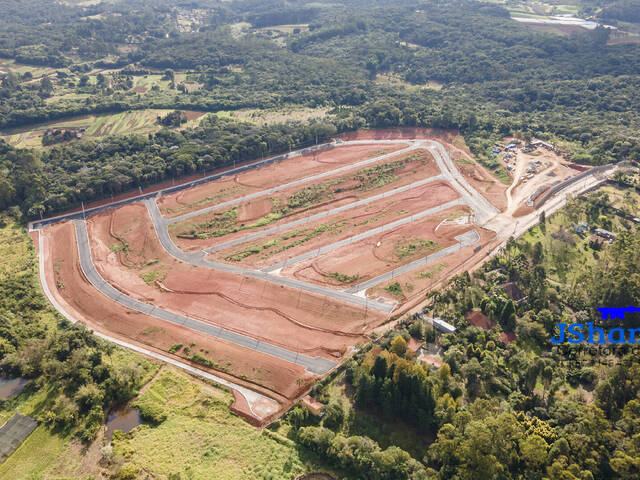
(267, 276)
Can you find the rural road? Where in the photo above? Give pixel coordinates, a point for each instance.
(316, 365)
(363, 235)
(199, 260)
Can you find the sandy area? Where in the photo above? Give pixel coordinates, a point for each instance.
(268, 176)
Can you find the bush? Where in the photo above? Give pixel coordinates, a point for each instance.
(151, 412)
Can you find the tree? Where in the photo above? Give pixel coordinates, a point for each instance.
(333, 416)
(399, 346)
(46, 86)
(533, 451)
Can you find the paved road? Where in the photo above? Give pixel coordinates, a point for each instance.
(316, 365)
(363, 235)
(317, 216)
(199, 260)
(266, 404)
(464, 240)
(35, 225)
(300, 181)
(483, 210)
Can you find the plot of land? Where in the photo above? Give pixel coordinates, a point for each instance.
(302, 200)
(309, 236)
(366, 259)
(128, 255)
(410, 284)
(268, 176)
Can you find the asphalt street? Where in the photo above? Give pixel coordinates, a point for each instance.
(315, 365)
(362, 236)
(464, 240)
(199, 260)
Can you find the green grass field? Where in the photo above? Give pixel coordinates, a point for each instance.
(202, 439)
(133, 121)
(43, 449)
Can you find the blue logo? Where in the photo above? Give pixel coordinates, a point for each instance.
(581, 333)
(616, 312)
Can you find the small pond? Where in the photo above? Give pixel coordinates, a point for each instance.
(10, 387)
(124, 419)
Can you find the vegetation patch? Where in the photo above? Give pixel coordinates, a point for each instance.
(408, 247)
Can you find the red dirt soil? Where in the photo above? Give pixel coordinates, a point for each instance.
(355, 221)
(282, 316)
(436, 273)
(269, 176)
(412, 172)
(483, 181)
(274, 377)
(365, 260)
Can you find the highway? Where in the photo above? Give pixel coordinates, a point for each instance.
(464, 240)
(363, 235)
(316, 365)
(317, 216)
(200, 260)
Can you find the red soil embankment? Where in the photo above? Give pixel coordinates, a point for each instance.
(263, 373)
(282, 316)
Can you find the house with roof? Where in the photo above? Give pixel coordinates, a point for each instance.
(479, 319)
(514, 292)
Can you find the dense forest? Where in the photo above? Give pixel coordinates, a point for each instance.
(493, 76)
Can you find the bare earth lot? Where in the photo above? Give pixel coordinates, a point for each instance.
(311, 268)
(270, 175)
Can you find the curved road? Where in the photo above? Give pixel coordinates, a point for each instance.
(315, 365)
(266, 405)
(200, 260)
